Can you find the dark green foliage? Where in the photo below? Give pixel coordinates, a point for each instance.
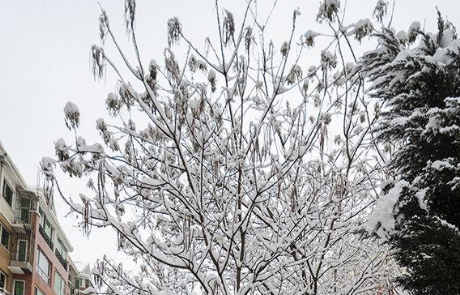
(431, 253)
(420, 88)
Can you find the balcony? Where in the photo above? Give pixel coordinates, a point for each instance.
(22, 216)
(61, 259)
(20, 263)
(25, 203)
(45, 237)
(22, 225)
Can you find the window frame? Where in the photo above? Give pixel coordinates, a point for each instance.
(25, 218)
(17, 249)
(61, 248)
(4, 280)
(62, 283)
(5, 185)
(14, 287)
(39, 270)
(3, 228)
(81, 283)
(48, 228)
(45, 223)
(38, 291)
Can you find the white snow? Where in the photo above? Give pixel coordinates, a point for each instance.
(402, 36)
(60, 145)
(382, 220)
(441, 165)
(311, 34)
(441, 56)
(421, 199)
(71, 108)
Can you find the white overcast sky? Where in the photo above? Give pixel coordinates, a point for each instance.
(44, 62)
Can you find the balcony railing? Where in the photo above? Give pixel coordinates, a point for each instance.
(61, 259)
(21, 260)
(4, 292)
(22, 216)
(45, 237)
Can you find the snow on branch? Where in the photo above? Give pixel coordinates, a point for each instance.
(223, 173)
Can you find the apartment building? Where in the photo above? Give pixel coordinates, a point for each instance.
(34, 250)
(79, 281)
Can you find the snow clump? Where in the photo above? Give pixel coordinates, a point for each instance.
(72, 115)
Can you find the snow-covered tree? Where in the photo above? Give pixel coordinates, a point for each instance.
(417, 76)
(232, 169)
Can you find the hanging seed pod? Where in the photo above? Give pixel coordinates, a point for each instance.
(174, 31)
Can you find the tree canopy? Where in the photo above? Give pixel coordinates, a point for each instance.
(247, 167)
(419, 83)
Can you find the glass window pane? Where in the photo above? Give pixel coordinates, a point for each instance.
(5, 237)
(61, 249)
(38, 292)
(25, 210)
(22, 250)
(48, 229)
(25, 203)
(42, 217)
(2, 280)
(7, 193)
(43, 266)
(59, 284)
(18, 288)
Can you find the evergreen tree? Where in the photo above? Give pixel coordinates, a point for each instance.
(419, 88)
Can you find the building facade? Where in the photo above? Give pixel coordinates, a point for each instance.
(34, 249)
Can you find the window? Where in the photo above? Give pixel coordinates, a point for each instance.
(2, 280)
(38, 291)
(48, 228)
(5, 237)
(22, 250)
(43, 266)
(45, 228)
(42, 217)
(25, 210)
(61, 249)
(81, 283)
(61, 253)
(59, 284)
(7, 193)
(19, 287)
(45, 223)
